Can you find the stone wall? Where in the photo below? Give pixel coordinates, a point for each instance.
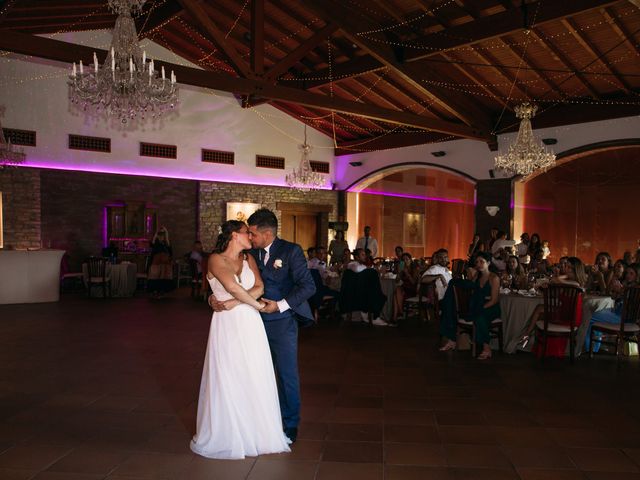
(73, 209)
(20, 189)
(215, 195)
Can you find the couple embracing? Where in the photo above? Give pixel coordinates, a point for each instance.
(258, 298)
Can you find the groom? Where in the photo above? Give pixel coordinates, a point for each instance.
(287, 286)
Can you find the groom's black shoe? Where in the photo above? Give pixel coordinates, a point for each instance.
(292, 433)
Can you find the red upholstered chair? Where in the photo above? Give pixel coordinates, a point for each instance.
(561, 318)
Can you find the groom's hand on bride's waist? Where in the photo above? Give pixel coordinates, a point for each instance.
(216, 304)
(270, 307)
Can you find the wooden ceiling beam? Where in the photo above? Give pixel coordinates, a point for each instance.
(157, 18)
(387, 141)
(202, 18)
(622, 31)
(341, 71)
(564, 59)
(6, 8)
(67, 52)
(257, 37)
(350, 25)
(294, 57)
(504, 73)
(595, 53)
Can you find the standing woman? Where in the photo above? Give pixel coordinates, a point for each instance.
(534, 246)
(337, 247)
(160, 279)
(409, 286)
(484, 306)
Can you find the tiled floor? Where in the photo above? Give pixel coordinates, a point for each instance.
(107, 389)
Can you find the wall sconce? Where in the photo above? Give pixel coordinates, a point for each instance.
(492, 210)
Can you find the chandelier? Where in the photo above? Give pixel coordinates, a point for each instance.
(304, 178)
(126, 85)
(526, 155)
(9, 155)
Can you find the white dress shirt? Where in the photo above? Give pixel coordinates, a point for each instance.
(356, 266)
(372, 245)
(283, 305)
(498, 244)
(439, 270)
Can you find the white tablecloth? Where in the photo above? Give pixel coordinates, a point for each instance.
(516, 310)
(30, 276)
(123, 279)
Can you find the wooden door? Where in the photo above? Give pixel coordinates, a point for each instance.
(300, 228)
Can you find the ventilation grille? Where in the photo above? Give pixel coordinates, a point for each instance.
(218, 156)
(266, 161)
(91, 144)
(158, 150)
(320, 167)
(20, 137)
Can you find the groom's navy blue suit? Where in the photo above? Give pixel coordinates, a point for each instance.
(293, 283)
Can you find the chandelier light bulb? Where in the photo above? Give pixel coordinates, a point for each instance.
(304, 178)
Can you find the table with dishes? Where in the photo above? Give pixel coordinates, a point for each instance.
(518, 306)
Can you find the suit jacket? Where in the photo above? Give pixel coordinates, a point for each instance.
(292, 281)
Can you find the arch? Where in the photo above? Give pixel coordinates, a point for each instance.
(589, 149)
(379, 173)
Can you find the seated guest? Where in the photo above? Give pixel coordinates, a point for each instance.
(501, 242)
(614, 288)
(399, 251)
(518, 275)
(499, 260)
(337, 247)
(369, 257)
(361, 293)
(344, 261)
(484, 306)
(197, 255)
(408, 287)
(613, 315)
(574, 275)
(627, 258)
(439, 272)
(311, 253)
(600, 274)
(359, 262)
(493, 236)
(319, 262)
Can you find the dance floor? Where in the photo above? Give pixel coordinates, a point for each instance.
(93, 389)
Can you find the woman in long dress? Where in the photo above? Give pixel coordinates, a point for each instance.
(238, 408)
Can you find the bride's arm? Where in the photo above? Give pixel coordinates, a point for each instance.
(258, 287)
(226, 277)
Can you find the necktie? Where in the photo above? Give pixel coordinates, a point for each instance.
(366, 242)
(265, 255)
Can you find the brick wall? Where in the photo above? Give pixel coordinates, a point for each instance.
(20, 189)
(73, 208)
(215, 195)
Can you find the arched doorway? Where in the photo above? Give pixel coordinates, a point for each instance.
(587, 203)
(418, 206)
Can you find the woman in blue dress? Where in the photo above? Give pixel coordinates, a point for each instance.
(613, 315)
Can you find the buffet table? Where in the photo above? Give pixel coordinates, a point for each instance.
(30, 276)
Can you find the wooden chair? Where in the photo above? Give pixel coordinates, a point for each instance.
(628, 330)
(462, 297)
(457, 267)
(142, 270)
(183, 271)
(97, 269)
(560, 316)
(426, 296)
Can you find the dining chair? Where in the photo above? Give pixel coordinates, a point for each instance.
(426, 297)
(628, 330)
(561, 316)
(142, 269)
(97, 269)
(462, 298)
(457, 267)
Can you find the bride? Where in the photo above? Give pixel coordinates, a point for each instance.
(238, 408)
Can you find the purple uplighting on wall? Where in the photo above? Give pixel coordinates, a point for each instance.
(531, 207)
(415, 197)
(162, 172)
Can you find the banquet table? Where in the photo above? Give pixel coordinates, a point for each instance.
(123, 279)
(516, 310)
(30, 276)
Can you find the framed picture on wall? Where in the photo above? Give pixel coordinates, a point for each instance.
(241, 210)
(413, 229)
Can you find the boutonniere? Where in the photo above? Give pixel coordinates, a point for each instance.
(277, 263)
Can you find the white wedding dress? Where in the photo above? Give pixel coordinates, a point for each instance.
(238, 408)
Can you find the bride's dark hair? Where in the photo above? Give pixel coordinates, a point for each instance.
(224, 237)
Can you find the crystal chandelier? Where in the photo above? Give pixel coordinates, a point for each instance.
(526, 155)
(304, 178)
(126, 85)
(9, 154)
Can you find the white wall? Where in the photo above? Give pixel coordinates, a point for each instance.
(474, 158)
(34, 94)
